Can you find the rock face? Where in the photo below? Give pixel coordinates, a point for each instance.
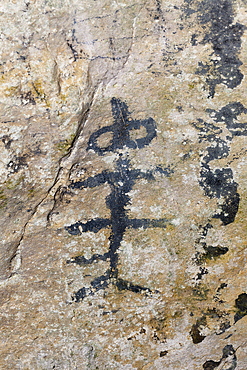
(123, 185)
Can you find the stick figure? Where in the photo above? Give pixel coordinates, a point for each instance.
(121, 181)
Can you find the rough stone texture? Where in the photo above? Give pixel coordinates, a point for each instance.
(123, 184)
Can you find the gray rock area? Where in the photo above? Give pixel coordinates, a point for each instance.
(123, 192)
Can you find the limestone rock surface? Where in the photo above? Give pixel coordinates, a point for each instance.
(123, 189)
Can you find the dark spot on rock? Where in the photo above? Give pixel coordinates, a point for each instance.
(16, 164)
(220, 319)
(27, 98)
(214, 252)
(229, 357)
(228, 336)
(195, 333)
(241, 305)
(200, 292)
(210, 365)
(228, 351)
(225, 39)
(241, 302)
(125, 285)
(217, 150)
(163, 353)
(229, 116)
(217, 183)
(222, 286)
(223, 327)
(194, 39)
(6, 141)
(203, 271)
(229, 208)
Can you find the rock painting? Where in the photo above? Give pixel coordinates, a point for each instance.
(121, 182)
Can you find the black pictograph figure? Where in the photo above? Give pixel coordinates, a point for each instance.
(121, 181)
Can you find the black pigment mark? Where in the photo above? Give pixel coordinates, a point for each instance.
(228, 359)
(120, 130)
(121, 182)
(159, 13)
(222, 286)
(229, 116)
(219, 182)
(225, 39)
(203, 271)
(241, 305)
(27, 98)
(210, 365)
(206, 130)
(223, 327)
(210, 251)
(6, 141)
(73, 50)
(17, 163)
(195, 332)
(214, 252)
(220, 319)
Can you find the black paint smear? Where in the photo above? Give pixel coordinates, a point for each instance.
(126, 285)
(81, 260)
(197, 336)
(6, 141)
(223, 326)
(229, 209)
(229, 116)
(203, 271)
(225, 39)
(93, 225)
(195, 333)
(211, 365)
(241, 305)
(213, 252)
(219, 183)
(207, 131)
(222, 286)
(209, 250)
(158, 10)
(229, 357)
(17, 164)
(121, 182)
(219, 149)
